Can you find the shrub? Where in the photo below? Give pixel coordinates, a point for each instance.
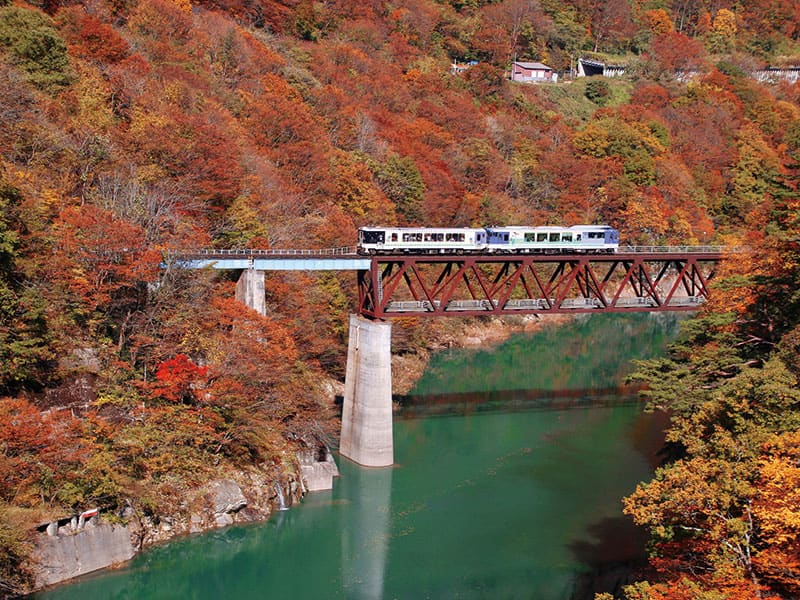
(597, 91)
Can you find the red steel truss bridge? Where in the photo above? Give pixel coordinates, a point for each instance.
(635, 280)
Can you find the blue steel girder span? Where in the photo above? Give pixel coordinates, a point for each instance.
(437, 286)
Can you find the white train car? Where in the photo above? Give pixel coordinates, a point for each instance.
(552, 239)
(420, 240)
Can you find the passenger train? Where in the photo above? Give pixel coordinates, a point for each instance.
(590, 239)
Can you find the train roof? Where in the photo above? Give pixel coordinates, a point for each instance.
(415, 229)
(509, 228)
(490, 228)
(546, 227)
(591, 227)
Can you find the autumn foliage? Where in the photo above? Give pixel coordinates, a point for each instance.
(132, 129)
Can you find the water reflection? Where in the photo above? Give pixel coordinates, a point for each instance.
(365, 532)
(590, 352)
(498, 504)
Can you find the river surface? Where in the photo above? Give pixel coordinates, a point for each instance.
(510, 466)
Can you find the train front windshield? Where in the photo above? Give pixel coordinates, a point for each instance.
(372, 237)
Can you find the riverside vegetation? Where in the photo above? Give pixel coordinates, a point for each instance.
(129, 128)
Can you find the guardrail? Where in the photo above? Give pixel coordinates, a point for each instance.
(352, 251)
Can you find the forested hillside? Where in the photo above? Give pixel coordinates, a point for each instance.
(130, 128)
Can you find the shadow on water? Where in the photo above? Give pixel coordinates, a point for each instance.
(614, 558)
(413, 406)
(615, 552)
(466, 403)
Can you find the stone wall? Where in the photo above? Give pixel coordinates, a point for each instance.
(317, 473)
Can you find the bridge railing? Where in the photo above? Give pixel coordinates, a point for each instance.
(248, 252)
(679, 249)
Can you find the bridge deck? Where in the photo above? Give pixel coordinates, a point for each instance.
(347, 259)
(280, 263)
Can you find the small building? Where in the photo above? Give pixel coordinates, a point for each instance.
(532, 72)
(457, 68)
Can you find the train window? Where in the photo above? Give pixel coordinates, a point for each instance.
(459, 237)
(394, 237)
(578, 238)
(412, 237)
(554, 237)
(505, 237)
(439, 237)
(529, 237)
(428, 237)
(566, 237)
(541, 237)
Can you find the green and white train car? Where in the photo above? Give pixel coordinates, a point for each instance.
(553, 239)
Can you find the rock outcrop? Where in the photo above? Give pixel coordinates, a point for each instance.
(227, 498)
(70, 553)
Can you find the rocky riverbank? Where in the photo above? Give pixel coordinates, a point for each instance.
(97, 539)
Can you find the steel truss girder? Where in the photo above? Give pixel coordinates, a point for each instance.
(438, 286)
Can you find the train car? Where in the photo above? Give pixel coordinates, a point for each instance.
(420, 240)
(596, 238)
(552, 239)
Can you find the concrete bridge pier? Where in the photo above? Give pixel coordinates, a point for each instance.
(250, 290)
(367, 412)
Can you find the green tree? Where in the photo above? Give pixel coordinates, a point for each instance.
(401, 181)
(24, 335)
(35, 46)
(754, 173)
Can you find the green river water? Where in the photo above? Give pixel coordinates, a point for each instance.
(510, 466)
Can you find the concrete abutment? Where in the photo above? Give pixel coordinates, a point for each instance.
(367, 413)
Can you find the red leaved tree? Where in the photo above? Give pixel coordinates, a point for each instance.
(178, 380)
